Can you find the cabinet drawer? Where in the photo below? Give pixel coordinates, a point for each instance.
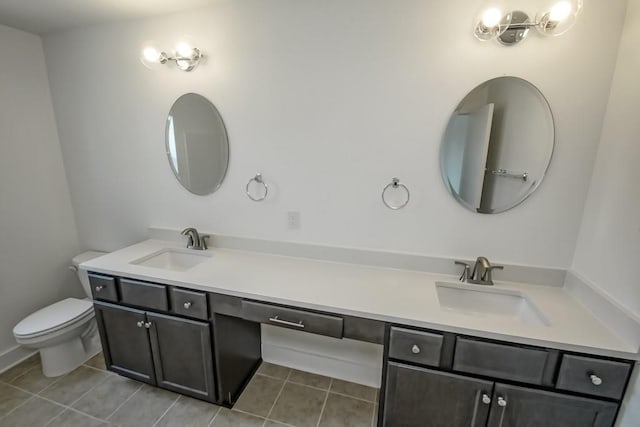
(605, 378)
(300, 320)
(142, 294)
(509, 362)
(189, 303)
(103, 287)
(415, 346)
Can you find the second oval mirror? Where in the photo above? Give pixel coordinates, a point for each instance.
(196, 143)
(497, 145)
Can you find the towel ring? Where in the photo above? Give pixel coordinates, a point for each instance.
(395, 183)
(259, 180)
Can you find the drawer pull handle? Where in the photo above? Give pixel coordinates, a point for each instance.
(595, 380)
(275, 319)
(140, 324)
(147, 325)
(99, 288)
(415, 349)
(187, 305)
(486, 399)
(502, 402)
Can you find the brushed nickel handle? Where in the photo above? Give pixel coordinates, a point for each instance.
(501, 401)
(147, 325)
(595, 380)
(486, 399)
(187, 305)
(275, 319)
(99, 288)
(140, 324)
(415, 349)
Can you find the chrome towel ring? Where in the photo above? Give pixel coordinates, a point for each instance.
(395, 183)
(259, 180)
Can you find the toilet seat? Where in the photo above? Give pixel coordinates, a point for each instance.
(53, 318)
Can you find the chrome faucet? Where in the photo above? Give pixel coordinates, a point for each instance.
(481, 274)
(195, 240)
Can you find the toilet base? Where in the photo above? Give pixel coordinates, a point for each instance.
(63, 358)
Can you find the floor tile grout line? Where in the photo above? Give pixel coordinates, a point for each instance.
(63, 409)
(276, 400)
(353, 397)
(22, 404)
(310, 386)
(215, 416)
(25, 372)
(70, 405)
(166, 411)
(324, 404)
(123, 403)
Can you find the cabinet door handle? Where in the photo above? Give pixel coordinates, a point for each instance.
(415, 349)
(99, 288)
(140, 324)
(501, 401)
(275, 319)
(595, 380)
(147, 325)
(187, 305)
(486, 399)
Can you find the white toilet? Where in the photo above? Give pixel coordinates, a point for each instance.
(65, 332)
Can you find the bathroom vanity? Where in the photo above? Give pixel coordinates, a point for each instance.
(193, 326)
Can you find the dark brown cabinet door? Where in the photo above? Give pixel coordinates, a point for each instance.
(125, 341)
(423, 397)
(523, 407)
(182, 355)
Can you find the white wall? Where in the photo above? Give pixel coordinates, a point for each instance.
(37, 231)
(329, 100)
(608, 248)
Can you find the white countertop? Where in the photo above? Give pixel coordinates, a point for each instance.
(391, 295)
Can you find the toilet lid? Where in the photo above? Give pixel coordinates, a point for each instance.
(53, 317)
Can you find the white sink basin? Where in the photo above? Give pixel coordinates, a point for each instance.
(489, 302)
(173, 259)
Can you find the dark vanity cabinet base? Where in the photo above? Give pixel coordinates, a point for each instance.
(158, 349)
(125, 341)
(530, 407)
(417, 397)
(237, 347)
(428, 383)
(182, 355)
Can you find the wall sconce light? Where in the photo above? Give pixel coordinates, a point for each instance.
(185, 57)
(512, 27)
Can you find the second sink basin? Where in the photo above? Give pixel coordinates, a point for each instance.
(489, 302)
(173, 259)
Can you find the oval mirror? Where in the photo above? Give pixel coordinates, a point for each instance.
(196, 143)
(497, 145)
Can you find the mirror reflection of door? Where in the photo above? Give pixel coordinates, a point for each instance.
(196, 144)
(497, 145)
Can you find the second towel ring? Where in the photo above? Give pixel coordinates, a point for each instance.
(395, 183)
(259, 180)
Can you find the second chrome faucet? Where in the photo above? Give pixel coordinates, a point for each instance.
(481, 273)
(195, 240)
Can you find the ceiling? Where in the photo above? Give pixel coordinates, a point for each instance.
(45, 16)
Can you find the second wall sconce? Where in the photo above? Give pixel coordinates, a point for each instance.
(184, 55)
(511, 27)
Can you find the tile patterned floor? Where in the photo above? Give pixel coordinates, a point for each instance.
(90, 396)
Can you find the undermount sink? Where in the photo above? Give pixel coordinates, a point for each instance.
(489, 303)
(173, 259)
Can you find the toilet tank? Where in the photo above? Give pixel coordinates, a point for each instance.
(82, 274)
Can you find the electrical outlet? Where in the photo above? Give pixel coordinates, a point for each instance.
(293, 220)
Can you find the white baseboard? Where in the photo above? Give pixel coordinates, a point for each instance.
(345, 359)
(13, 356)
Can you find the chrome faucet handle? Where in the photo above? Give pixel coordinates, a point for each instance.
(489, 279)
(465, 274)
(203, 241)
